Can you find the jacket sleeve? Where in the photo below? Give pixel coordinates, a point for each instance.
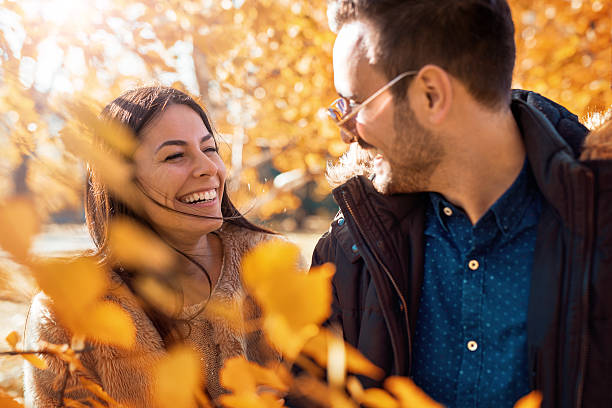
(42, 387)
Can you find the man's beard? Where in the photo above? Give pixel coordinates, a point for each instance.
(415, 154)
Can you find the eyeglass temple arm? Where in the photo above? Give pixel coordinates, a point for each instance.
(375, 94)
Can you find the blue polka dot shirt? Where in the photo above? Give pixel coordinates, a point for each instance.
(470, 347)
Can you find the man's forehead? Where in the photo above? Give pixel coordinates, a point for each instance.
(350, 55)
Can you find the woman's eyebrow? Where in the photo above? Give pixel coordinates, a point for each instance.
(181, 142)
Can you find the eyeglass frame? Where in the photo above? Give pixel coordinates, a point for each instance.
(369, 99)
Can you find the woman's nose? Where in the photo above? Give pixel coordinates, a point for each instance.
(204, 166)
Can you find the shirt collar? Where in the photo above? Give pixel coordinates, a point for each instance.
(508, 210)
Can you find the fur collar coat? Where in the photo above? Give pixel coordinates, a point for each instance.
(126, 374)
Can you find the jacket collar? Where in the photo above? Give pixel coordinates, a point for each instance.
(552, 158)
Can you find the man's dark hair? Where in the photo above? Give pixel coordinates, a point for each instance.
(473, 40)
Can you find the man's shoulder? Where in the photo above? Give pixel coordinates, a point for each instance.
(565, 122)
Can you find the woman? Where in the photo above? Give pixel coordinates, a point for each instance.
(183, 199)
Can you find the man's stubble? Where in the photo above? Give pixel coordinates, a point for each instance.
(415, 154)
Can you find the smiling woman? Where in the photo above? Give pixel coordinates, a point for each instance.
(181, 198)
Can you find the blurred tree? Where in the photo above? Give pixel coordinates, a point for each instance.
(263, 69)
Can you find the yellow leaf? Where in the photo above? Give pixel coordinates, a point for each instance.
(19, 223)
(531, 400)
(73, 285)
(241, 375)
(159, 295)
(178, 376)
(35, 361)
(136, 247)
(293, 302)
(114, 171)
(317, 348)
(12, 339)
(108, 323)
(116, 135)
(6, 401)
(409, 394)
(76, 288)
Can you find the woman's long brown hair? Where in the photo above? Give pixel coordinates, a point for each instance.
(136, 109)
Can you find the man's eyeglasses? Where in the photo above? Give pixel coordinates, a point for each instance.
(343, 114)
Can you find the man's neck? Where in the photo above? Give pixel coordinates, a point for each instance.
(487, 156)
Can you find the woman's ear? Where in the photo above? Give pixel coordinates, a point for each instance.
(431, 94)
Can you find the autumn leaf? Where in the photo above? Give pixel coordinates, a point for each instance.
(531, 400)
(114, 134)
(137, 247)
(6, 401)
(114, 171)
(244, 379)
(239, 374)
(317, 348)
(409, 394)
(19, 223)
(294, 303)
(158, 294)
(76, 288)
(177, 378)
(12, 339)
(107, 323)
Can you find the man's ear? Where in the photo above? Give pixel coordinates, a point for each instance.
(431, 94)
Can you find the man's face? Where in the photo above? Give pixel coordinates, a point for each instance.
(406, 153)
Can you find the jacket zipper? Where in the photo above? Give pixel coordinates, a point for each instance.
(585, 333)
(395, 286)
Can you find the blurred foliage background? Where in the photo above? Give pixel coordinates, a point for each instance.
(263, 70)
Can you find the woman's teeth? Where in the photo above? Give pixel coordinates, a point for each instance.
(200, 197)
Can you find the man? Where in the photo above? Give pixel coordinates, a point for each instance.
(472, 261)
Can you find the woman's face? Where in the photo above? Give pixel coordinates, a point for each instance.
(179, 166)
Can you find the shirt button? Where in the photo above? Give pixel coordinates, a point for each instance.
(472, 345)
(473, 264)
(447, 211)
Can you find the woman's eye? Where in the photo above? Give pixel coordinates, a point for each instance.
(210, 149)
(173, 156)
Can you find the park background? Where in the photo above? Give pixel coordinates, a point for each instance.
(262, 69)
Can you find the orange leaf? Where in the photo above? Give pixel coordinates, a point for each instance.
(76, 288)
(136, 247)
(159, 295)
(294, 303)
(108, 323)
(6, 401)
(408, 394)
(178, 377)
(19, 223)
(240, 375)
(317, 348)
(531, 400)
(12, 339)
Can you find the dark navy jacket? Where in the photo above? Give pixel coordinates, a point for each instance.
(376, 243)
